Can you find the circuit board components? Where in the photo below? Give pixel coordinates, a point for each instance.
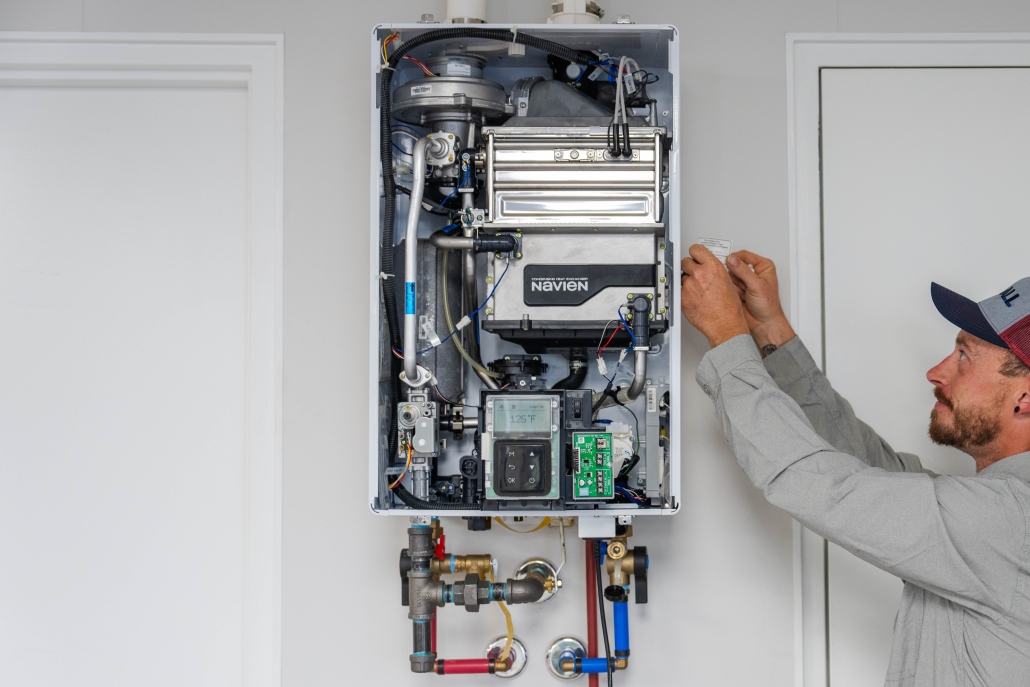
(592, 469)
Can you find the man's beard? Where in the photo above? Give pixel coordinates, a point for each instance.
(971, 427)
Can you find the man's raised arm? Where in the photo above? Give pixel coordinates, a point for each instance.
(792, 368)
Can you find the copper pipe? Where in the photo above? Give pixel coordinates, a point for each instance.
(591, 561)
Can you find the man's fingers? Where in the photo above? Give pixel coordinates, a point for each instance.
(759, 262)
(739, 270)
(701, 254)
(688, 266)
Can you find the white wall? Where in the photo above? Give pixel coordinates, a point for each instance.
(722, 571)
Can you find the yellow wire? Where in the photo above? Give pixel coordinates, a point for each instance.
(406, 466)
(544, 523)
(507, 619)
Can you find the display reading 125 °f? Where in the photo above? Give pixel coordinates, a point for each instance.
(524, 416)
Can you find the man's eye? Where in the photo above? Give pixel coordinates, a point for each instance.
(961, 355)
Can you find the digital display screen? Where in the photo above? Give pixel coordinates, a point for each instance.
(525, 415)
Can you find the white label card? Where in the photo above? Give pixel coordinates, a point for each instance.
(721, 248)
(458, 69)
(422, 90)
(629, 84)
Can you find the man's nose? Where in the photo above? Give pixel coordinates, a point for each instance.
(935, 375)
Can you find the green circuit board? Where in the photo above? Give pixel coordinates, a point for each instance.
(592, 466)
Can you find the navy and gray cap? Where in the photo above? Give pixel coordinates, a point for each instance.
(1003, 320)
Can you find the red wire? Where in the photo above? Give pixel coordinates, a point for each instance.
(614, 332)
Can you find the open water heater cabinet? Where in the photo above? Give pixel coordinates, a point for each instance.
(523, 325)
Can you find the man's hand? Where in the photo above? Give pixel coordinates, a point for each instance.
(759, 291)
(708, 298)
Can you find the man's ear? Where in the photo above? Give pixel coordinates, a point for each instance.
(1023, 401)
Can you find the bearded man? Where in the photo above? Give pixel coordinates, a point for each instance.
(961, 544)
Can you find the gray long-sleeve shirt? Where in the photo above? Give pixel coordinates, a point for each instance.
(961, 544)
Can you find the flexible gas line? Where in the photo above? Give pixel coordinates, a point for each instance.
(507, 620)
(543, 523)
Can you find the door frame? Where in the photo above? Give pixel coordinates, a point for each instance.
(807, 55)
(253, 62)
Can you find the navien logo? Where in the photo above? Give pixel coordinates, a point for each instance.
(559, 284)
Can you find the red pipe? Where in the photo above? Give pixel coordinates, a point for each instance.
(591, 579)
(464, 666)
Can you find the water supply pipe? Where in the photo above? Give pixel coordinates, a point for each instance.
(591, 561)
(471, 666)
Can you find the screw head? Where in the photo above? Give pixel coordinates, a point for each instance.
(489, 280)
(629, 297)
(518, 256)
(497, 255)
(518, 234)
(650, 315)
(479, 217)
(650, 296)
(489, 311)
(661, 279)
(662, 310)
(661, 246)
(629, 316)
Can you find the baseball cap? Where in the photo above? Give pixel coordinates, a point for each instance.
(1003, 320)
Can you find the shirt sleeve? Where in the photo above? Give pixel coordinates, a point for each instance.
(792, 368)
(959, 537)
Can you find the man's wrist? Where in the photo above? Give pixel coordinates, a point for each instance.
(725, 334)
(771, 335)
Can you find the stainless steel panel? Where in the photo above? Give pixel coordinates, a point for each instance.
(569, 249)
(553, 207)
(565, 176)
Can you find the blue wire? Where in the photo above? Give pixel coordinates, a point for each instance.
(472, 314)
(581, 73)
(626, 325)
(627, 493)
(464, 181)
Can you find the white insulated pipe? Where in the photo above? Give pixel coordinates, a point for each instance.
(418, 187)
(466, 11)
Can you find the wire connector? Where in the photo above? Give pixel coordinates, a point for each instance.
(602, 367)
(462, 323)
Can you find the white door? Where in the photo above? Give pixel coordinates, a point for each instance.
(925, 178)
(139, 361)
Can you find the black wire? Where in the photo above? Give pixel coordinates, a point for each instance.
(434, 207)
(436, 388)
(415, 502)
(600, 604)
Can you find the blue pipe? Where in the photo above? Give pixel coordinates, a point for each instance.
(591, 665)
(621, 613)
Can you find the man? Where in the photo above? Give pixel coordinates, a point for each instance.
(961, 544)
